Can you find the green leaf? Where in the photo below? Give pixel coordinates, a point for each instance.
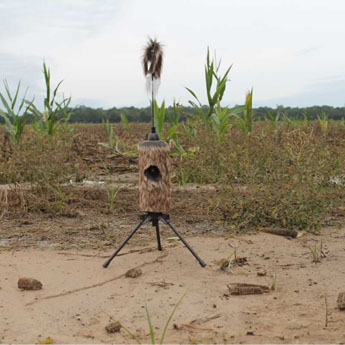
(15, 97)
(4, 102)
(237, 109)
(124, 120)
(170, 317)
(7, 90)
(46, 73)
(194, 95)
(55, 92)
(152, 333)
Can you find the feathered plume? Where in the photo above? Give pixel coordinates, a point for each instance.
(152, 64)
(153, 59)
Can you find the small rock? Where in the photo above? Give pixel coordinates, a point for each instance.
(29, 284)
(113, 327)
(250, 333)
(134, 273)
(261, 273)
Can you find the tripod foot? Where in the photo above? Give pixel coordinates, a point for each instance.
(106, 264)
(167, 221)
(155, 218)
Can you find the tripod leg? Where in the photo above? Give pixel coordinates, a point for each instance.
(167, 221)
(106, 264)
(158, 236)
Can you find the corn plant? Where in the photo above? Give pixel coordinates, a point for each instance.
(47, 122)
(220, 120)
(160, 115)
(306, 119)
(295, 123)
(113, 143)
(246, 122)
(323, 121)
(174, 117)
(125, 121)
(112, 194)
(174, 122)
(60, 197)
(274, 118)
(15, 119)
(212, 77)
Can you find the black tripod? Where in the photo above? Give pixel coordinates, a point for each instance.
(154, 218)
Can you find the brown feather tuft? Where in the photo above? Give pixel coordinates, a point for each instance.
(153, 59)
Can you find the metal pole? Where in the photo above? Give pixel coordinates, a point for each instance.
(156, 223)
(152, 107)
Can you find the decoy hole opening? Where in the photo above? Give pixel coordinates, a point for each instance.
(152, 173)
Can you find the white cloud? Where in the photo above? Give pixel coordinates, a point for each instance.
(278, 47)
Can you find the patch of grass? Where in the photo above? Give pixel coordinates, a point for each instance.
(13, 114)
(112, 194)
(274, 177)
(274, 282)
(151, 328)
(317, 253)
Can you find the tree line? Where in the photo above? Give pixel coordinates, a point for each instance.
(84, 114)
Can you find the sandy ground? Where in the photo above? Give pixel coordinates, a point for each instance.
(79, 295)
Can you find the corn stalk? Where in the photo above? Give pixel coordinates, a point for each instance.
(212, 77)
(47, 122)
(247, 120)
(15, 120)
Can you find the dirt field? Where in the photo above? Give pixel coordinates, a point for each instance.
(79, 295)
(63, 238)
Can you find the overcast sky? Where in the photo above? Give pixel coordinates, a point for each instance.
(291, 52)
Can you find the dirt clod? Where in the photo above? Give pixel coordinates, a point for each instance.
(247, 289)
(261, 273)
(281, 232)
(29, 284)
(134, 273)
(113, 327)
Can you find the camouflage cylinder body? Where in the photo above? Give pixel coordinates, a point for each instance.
(154, 176)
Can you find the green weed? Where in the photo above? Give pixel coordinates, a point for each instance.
(281, 177)
(112, 194)
(125, 121)
(151, 328)
(113, 142)
(317, 253)
(48, 122)
(323, 121)
(214, 95)
(15, 119)
(246, 121)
